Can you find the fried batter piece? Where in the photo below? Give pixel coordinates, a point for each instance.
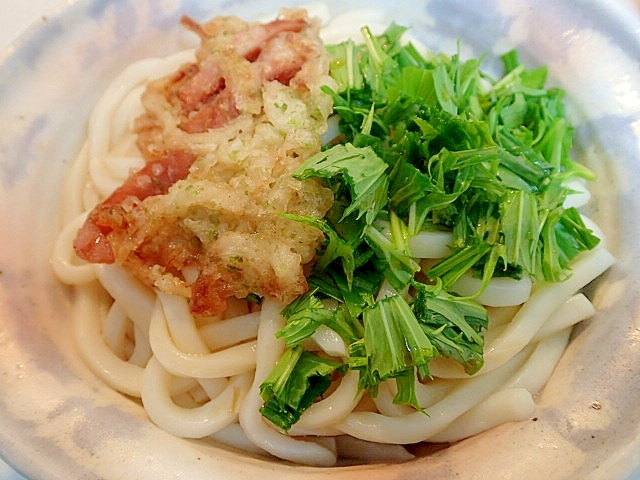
(221, 138)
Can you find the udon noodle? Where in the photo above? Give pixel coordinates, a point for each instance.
(200, 379)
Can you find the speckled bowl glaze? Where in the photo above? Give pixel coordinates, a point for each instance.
(58, 421)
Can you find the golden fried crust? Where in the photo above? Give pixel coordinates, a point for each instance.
(243, 116)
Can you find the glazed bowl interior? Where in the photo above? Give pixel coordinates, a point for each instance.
(57, 420)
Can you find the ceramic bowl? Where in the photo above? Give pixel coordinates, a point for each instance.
(57, 420)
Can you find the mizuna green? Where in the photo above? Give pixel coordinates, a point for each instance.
(427, 142)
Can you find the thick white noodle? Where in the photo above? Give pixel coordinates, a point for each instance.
(64, 260)
(433, 391)
(330, 342)
(514, 401)
(121, 375)
(500, 291)
(225, 363)
(232, 331)
(501, 315)
(384, 401)
(114, 329)
(197, 422)
(533, 314)
(574, 310)
(142, 348)
(540, 365)
(427, 244)
(511, 405)
(543, 302)
(368, 452)
(427, 394)
(331, 410)
(181, 325)
(579, 195)
(234, 436)
(212, 387)
(135, 299)
(418, 426)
